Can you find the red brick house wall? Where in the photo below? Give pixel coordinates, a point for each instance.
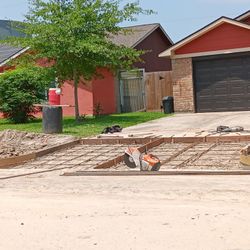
(183, 91)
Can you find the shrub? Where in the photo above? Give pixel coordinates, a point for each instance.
(97, 110)
(20, 89)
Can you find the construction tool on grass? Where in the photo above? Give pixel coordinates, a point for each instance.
(145, 162)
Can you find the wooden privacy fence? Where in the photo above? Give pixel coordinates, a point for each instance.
(158, 85)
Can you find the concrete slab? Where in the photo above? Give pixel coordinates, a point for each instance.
(191, 124)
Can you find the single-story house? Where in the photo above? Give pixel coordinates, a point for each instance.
(106, 92)
(211, 67)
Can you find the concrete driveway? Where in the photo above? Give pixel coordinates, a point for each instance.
(190, 124)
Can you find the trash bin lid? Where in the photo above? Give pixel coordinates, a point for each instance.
(167, 98)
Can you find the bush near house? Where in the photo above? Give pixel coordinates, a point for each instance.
(20, 89)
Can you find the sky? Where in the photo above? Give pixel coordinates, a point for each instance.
(179, 18)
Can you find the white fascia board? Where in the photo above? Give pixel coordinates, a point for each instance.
(209, 53)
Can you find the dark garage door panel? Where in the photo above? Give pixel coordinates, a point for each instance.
(222, 84)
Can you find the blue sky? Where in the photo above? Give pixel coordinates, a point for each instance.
(178, 17)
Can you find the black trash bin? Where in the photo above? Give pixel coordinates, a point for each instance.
(52, 120)
(168, 104)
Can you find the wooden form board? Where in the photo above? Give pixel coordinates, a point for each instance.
(172, 139)
(157, 173)
(14, 161)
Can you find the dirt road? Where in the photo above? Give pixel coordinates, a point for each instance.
(53, 212)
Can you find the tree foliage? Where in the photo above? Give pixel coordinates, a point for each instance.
(75, 34)
(20, 89)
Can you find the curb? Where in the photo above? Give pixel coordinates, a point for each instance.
(159, 173)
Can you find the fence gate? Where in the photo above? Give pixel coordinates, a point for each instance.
(158, 85)
(132, 91)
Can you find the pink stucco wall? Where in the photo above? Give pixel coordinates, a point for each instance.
(90, 93)
(104, 92)
(85, 98)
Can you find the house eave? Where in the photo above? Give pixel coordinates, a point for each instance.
(210, 53)
(14, 56)
(243, 16)
(199, 33)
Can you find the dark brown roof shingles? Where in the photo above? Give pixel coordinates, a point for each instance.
(133, 35)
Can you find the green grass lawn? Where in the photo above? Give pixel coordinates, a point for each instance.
(90, 125)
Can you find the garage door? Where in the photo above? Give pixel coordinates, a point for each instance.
(222, 84)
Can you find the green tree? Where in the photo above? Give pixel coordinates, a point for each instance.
(75, 34)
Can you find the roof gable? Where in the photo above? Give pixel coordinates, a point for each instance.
(246, 20)
(224, 37)
(136, 34)
(202, 32)
(243, 16)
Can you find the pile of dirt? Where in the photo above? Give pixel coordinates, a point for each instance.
(15, 143)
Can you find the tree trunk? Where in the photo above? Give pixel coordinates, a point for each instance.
(76, 83)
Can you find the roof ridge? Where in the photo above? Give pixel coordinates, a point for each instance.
(139, 25)
(243, 15)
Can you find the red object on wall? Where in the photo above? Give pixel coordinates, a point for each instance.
(54, 98)
(225, 36)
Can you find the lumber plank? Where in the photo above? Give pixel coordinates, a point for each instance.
(158, 173)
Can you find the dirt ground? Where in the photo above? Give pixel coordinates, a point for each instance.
(53, 212)
(48, 211)
(15, 143)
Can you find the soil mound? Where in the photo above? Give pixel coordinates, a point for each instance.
(15, 143)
